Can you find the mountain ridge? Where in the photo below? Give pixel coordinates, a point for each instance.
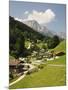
(40, 28)
(43, 29)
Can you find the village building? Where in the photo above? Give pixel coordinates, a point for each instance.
(17, 66)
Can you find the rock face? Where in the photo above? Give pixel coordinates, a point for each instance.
(43, 29)
(33, 24)
(37, 27)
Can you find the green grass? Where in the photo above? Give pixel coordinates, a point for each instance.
(61, 46)
(10, 81)
(48, 76)
(60, 60)
(27, 43)
(40, 45)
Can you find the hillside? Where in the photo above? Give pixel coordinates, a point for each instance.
(19, 35)
(22, 35)
(21, 27)
(61, 46)
(47, 73)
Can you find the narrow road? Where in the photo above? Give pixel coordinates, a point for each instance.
(21, 77)
(31, 67)
(56, 65)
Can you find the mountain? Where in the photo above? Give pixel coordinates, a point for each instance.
(27, 31)
(19, 33)
(43, 29)
(33, 24)
(39, 28)
(62, 35)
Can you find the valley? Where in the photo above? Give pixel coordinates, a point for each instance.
(43, 57)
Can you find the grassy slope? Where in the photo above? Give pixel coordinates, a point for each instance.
(48, 76)
(61, 46)
(61, 59)
(10, 81)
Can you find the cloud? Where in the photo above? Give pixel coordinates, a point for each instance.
(18, 19)
(26, 12)
(41, 17)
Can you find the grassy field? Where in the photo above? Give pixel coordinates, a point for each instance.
(48, 76)
(10, 81)
(60, 60)
(60, 47)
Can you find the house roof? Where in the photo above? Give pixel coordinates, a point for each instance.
(14, 62)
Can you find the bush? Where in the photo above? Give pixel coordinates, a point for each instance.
(11, 76)
(41, 66)
(32, 71)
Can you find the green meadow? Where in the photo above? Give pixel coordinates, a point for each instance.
(49, 75)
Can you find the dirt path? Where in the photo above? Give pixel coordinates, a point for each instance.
(56, 65)
(31, 67)
(21, 77)
(18, 79)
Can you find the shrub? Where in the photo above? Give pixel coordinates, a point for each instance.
(41, 66)
(11, 76)
(32, 71)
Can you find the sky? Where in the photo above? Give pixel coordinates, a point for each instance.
(53, 16)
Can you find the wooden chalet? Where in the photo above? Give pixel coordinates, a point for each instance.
(17, 66)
